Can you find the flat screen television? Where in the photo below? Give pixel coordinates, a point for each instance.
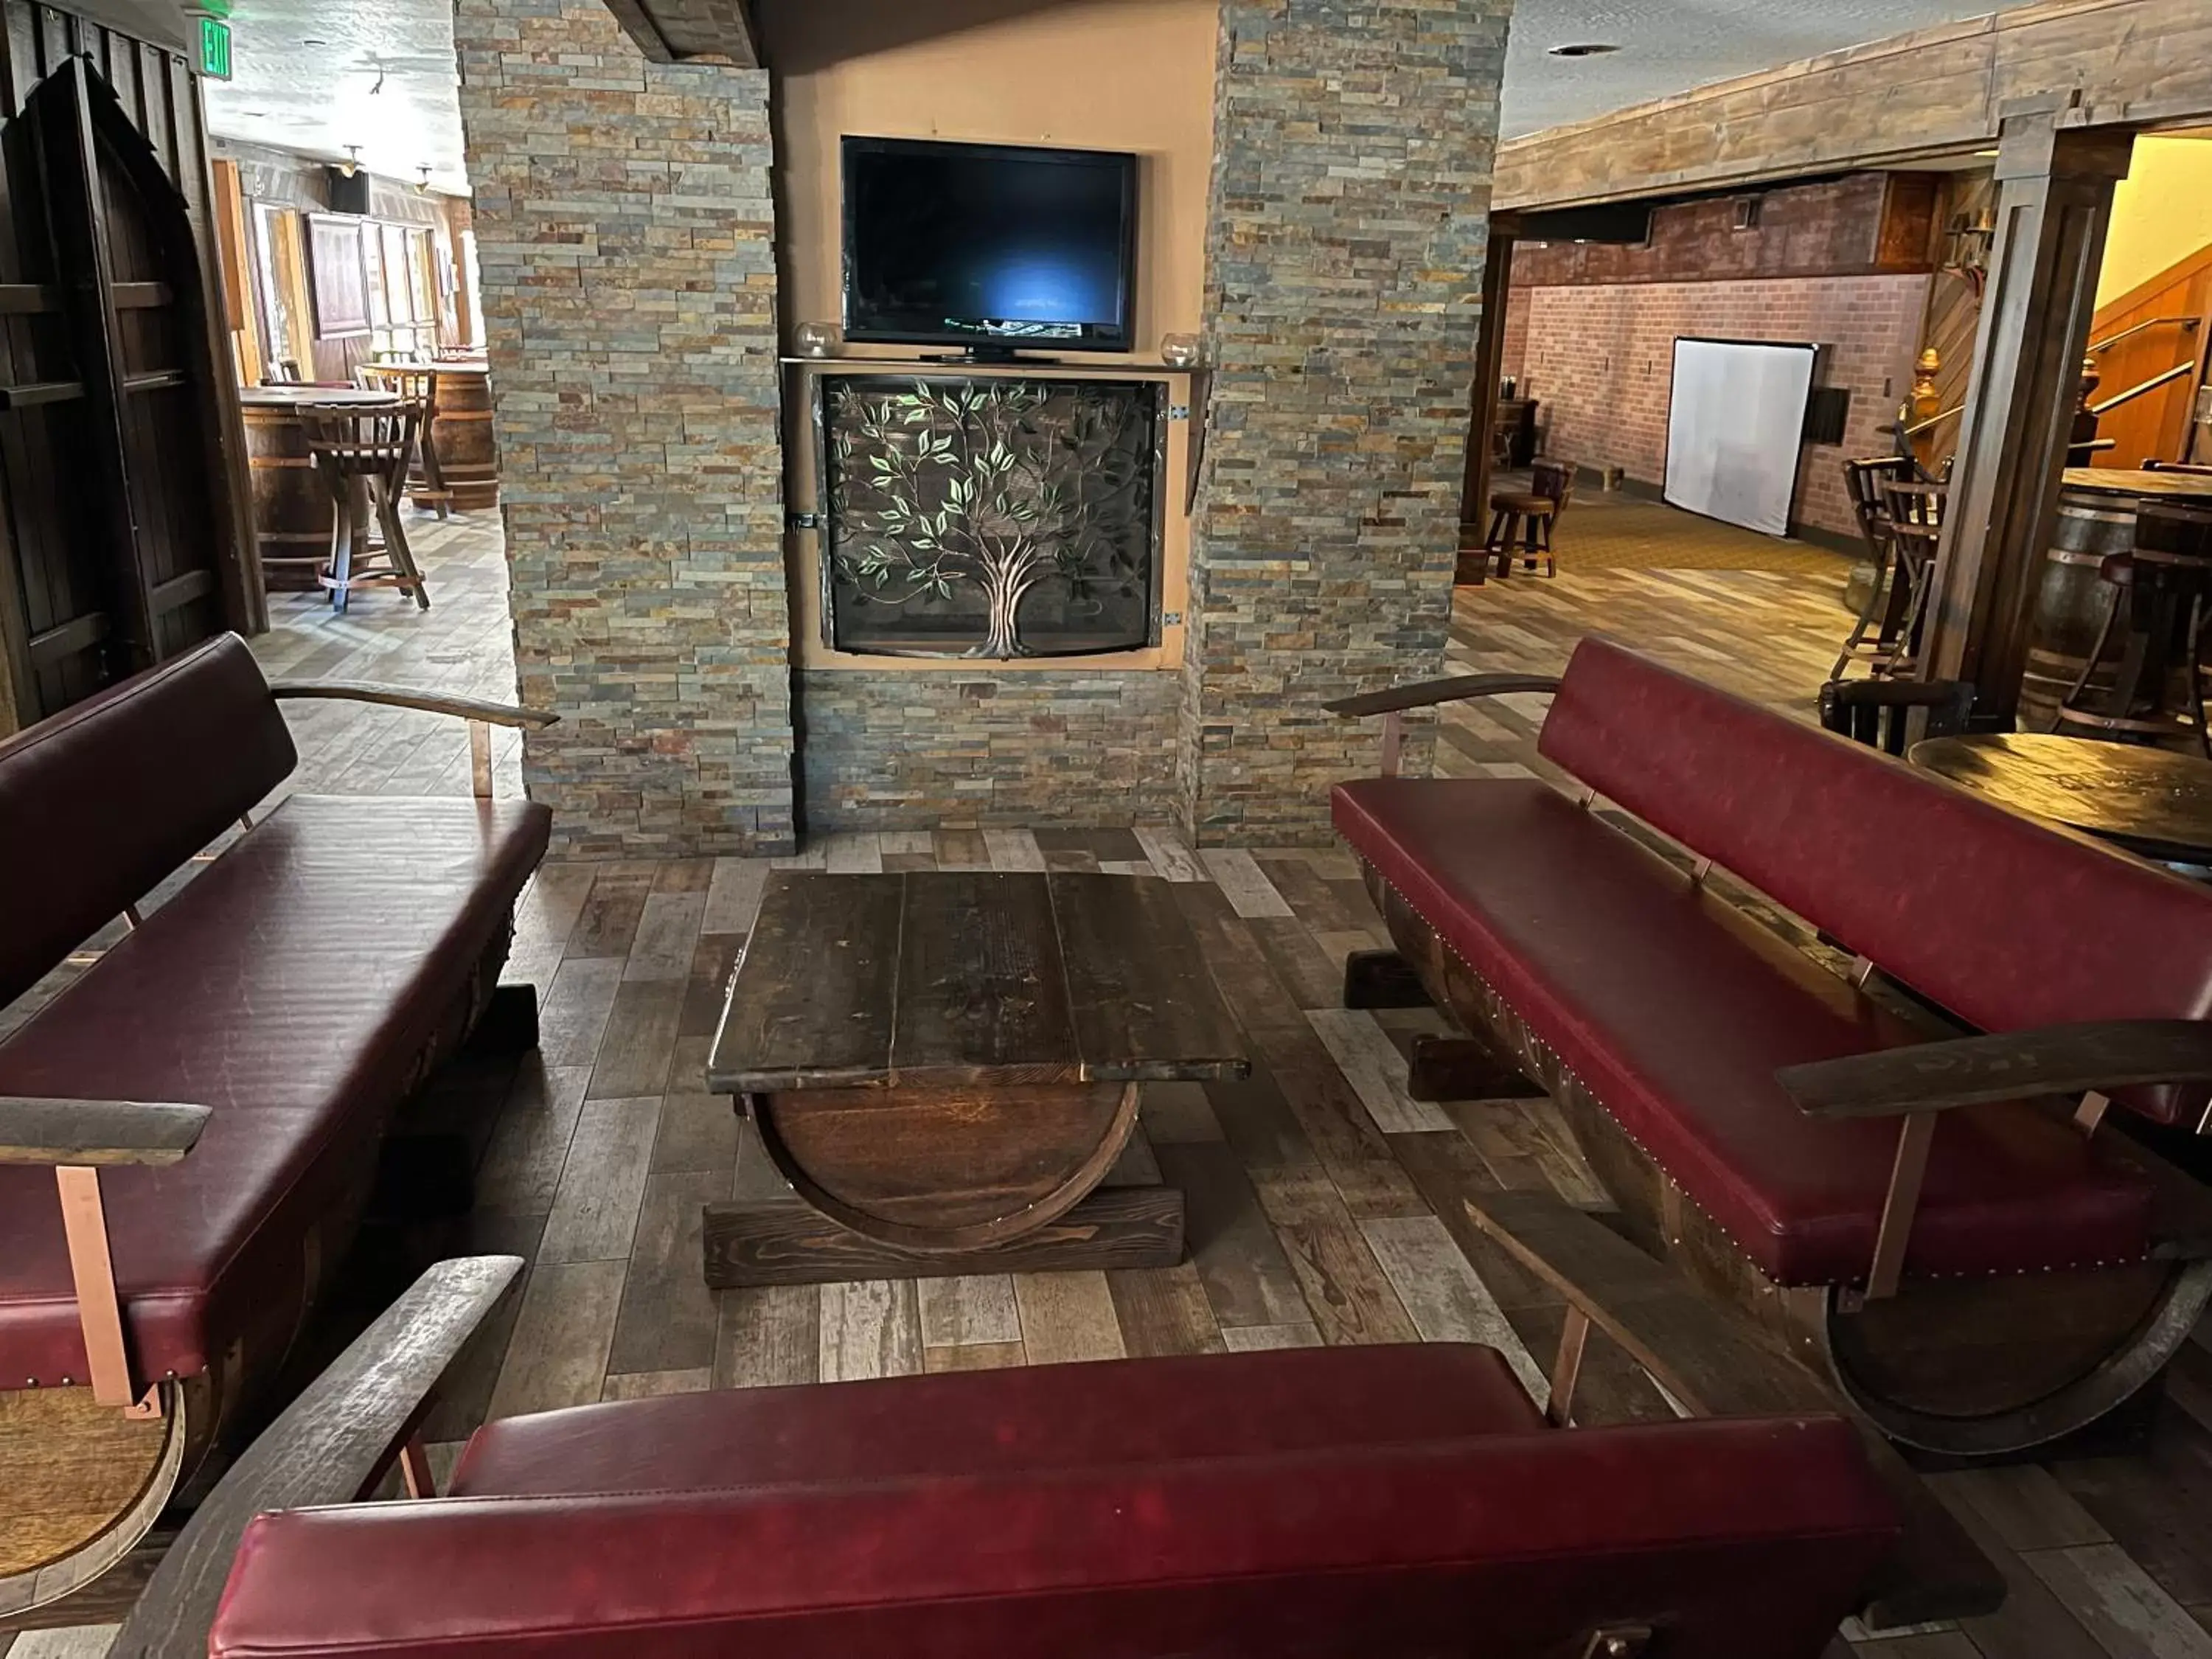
(993, 247)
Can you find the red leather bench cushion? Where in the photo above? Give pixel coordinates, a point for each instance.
(1749, 1537)
(293, 986)
(1037, 1417)
(2008, 924)
(1676, 1010)
(99, 803)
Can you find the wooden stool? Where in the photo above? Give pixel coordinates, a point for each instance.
(1874, 635)
(362, 454)
(1915, 515)
(1530, 516)
(2151, 650)
(426, 477)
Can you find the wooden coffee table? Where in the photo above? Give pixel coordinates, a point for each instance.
(945, 1064)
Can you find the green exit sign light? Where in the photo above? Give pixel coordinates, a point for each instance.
(215, 49)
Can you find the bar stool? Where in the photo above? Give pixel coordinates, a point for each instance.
(361, 454)
(1530, 514)
(1915, 514)
(2147, 679)
(1874, 635)
(426, 477)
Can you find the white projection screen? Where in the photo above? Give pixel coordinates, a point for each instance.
(1735, 422)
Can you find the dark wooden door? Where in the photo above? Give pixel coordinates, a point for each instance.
(118, 540)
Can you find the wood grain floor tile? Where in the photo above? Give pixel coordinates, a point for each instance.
(2024, 1505)
(857, 852)
(2119, 1604)
(639, 1041)
(611, 913)
(668, 1317)
(1067, 1316)
(870, 1327)
(573, 1016)
(1447, 1302)
(521, 1168)
(1163, 1311)
(1169, 856)
(1237, 875)
(1376, 1070)
(558, 1355)
(1246, 1338)
(77, 1642)
(1013, 850)
(1178, 1113)
(734, 895)
(975, 1308)
(594, 1214)
(1350, 1298)
(649, 1385)
(768, 1337)
(698, 1132)
(1247, 1279)
(975, 1356)
(667, 936)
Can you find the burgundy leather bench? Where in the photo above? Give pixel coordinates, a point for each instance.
(1978, 1267)
(275, 1011)
(1383, 1503)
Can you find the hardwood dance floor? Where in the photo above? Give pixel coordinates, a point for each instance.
(1323, 1202)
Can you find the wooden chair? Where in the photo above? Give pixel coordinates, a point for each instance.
(1530, 514)
(361, 454)
(1914, 525)
(1878, 713)
(1872, 636)
(2146, 677)
(426, 477)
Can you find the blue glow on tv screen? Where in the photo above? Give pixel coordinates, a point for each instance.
(986, 245)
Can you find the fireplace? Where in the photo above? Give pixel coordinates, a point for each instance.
(991, 517)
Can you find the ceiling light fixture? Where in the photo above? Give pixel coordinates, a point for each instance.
(314, 43)
(422, 184)
(1584, 49)
(378, 86)
(351, 164)
(1989, 152)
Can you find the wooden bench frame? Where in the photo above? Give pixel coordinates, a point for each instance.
(2124, 1322)
(78, 1137)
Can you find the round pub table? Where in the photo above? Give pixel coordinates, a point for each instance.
(2151, 801)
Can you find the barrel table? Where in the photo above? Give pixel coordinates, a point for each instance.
(467, 452)
(2151, 801)
(946, 1065)
(2096, 519)
(292, 506)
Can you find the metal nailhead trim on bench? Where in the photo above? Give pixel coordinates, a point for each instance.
(1568, 1072)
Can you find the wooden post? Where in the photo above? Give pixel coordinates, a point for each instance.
(2054, 204)
(1489, 365)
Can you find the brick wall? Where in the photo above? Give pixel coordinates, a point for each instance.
(625, 230)
(979, 749)
(1354, 142)
(1600, 361)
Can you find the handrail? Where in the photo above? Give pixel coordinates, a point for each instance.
(1932, 421)
(2151, 384)
(2130, 333)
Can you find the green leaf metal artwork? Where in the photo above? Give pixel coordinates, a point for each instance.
(971, 509)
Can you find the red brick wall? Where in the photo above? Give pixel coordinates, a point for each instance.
(1600, 360)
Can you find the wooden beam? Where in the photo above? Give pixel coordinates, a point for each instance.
(2054, 204)
(1939, 91)
(91, 1133)
(1489, 367)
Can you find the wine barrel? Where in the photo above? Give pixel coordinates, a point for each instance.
(468, 455)
(292, 509)
(2095, 522)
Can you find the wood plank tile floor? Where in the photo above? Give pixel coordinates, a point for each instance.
(1323, 1202)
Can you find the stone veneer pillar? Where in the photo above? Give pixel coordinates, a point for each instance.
(626, 234)
(1354, 142)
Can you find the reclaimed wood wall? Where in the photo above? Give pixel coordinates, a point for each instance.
(1936, 91)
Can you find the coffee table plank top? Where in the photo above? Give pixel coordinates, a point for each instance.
(959, 977)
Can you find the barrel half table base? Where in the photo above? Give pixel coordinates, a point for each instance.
(788, 1242)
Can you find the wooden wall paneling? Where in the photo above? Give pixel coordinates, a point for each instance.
(1937, 91)
(2055, 200)
(1489, 365)
(1955, 307)
(2157, 424)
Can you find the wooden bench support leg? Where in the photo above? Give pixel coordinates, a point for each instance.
(415, 1469)
(1896, 1211)
(1464, 1068)
(509, 1025)
(1567, 1367)
(480, 758)
(1382, 979)
(99, 1314)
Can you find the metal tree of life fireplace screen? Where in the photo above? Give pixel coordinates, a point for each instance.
(991, 517)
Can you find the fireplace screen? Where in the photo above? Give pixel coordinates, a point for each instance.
(972, 516)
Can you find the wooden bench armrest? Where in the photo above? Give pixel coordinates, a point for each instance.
(431, 703)
(1428, 693)
(2058, 1060)
(331, 1446)
(1716, 1362)
(85, 1134)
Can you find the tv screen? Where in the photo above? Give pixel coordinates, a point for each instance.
(989, 246)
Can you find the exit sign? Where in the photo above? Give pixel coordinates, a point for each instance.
(215, 49)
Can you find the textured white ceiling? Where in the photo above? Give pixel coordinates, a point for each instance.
(1671, 46)
(320, 99)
